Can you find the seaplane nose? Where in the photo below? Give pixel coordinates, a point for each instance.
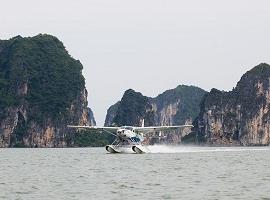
(121, 133)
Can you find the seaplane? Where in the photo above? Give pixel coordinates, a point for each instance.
(129, 139)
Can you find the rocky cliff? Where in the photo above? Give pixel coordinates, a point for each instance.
(111, 112)
(173, 107)
(241, 116)
(42, 90)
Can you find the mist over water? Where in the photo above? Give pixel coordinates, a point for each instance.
(169, 172)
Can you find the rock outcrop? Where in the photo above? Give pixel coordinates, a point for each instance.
(42, 90)
(111, 112)
(173, 107)
(241, 116)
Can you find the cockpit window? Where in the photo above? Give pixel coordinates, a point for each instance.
(127, 127)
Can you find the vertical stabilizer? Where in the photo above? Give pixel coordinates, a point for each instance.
(143, 123)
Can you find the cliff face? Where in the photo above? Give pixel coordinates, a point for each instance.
(42, 90)
(111, 112)
(173, 107)
(177, 106)
(131, 110)
(241, 116)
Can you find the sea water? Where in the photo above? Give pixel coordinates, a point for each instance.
(166, 173)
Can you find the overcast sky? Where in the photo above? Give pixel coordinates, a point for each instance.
(149, 45)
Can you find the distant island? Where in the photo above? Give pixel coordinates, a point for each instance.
(42, 90)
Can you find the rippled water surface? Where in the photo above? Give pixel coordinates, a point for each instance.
(167, 173)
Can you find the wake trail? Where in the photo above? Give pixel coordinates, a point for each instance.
(194, 149)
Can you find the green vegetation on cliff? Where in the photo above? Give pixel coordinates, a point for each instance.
(132, 108)
(42, 90)
(42, 64)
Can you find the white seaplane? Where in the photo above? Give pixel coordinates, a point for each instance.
(129, 139)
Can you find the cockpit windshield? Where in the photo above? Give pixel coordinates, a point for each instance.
(127, 127)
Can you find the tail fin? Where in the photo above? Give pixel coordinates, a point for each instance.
(143, 123)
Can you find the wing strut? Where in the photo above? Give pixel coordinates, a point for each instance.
(109, 132)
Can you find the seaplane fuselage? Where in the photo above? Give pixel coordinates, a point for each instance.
(129, 134)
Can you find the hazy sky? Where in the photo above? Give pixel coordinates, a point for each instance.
(149, 45)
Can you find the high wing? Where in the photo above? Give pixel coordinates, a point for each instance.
(159, 128)
(97, 128)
